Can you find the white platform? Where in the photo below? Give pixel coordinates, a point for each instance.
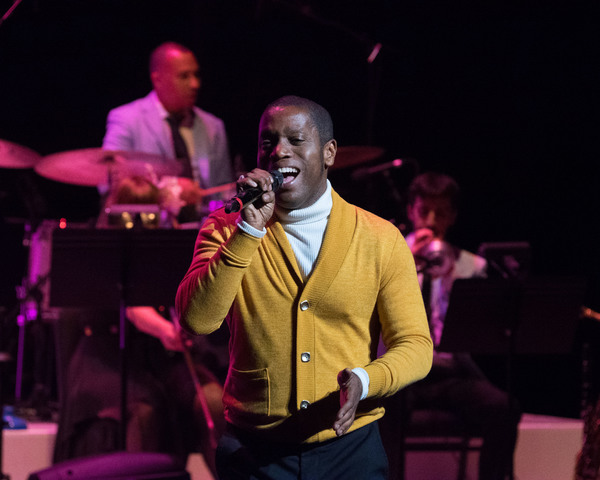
(28, 450)
(31, 449)
(546, 450)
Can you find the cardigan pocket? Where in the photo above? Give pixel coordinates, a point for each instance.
(247, 393)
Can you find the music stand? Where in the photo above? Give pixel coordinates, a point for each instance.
(480, 317)
(508, 260)
(509, 317)
(115, 269)
(549, 315)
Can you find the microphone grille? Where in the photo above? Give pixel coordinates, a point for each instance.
(277, 179)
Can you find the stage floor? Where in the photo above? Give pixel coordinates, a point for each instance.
(546, 450)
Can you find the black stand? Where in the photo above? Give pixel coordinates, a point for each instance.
(4, 358)
(509, 317)
(116, 269)
(513, 316)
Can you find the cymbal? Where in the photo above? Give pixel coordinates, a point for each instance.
(350, 156)
(17, 156)
(91, 166)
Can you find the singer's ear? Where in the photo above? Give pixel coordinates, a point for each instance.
(329, 151)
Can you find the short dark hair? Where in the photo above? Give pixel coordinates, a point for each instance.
(159, 54)
(318, 114)
(434, 184)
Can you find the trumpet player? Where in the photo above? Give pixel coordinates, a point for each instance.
(455, 384)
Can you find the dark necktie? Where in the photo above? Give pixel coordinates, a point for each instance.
(426, 292)
(181, 151)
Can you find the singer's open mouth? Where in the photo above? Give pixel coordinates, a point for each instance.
(289, 174)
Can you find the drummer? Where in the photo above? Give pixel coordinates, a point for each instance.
(166, 122)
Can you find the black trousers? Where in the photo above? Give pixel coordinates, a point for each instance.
(358, 456)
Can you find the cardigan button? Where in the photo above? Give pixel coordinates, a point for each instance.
(304, 404)
(305, 357)
(304, 305)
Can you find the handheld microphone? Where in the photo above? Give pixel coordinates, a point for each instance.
(250, 195)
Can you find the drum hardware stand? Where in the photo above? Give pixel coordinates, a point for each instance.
(4, 358)
(30, 310)
(23, 294)
(29, 297)
(26, 311)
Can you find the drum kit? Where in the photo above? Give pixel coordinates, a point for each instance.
(91, 167)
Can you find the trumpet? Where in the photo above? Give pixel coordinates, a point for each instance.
(435, 259)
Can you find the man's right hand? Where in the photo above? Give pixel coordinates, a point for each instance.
(422, 238)
(260, 212)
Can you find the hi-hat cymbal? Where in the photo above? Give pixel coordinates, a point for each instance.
(92, 166)
(17, 156)
(351, 156)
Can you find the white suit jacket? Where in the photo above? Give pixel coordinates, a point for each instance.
(140, 126)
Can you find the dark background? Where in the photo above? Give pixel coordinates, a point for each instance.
(503, 96)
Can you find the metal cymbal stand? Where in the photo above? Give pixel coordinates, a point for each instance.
(4, 358)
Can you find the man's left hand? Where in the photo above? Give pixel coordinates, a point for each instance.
(350, 393)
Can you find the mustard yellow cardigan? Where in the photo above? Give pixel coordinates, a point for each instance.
(289, 338)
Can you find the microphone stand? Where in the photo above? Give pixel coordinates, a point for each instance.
(9, 11)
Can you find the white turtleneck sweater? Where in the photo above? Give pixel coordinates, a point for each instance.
(305, 229)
